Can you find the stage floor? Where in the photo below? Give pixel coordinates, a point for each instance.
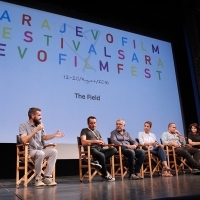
(185, 186)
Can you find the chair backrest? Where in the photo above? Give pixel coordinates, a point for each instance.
(161, 141)
(79, 140)
(141, 146)
(186, 140)
(19, 140)
(137, 140)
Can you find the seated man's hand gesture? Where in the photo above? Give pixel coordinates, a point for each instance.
(59, 134)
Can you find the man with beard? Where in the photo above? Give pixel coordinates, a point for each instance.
(90, 136)
(32, 132)
(129, 149)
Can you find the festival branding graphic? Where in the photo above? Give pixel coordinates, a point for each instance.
(75, 69)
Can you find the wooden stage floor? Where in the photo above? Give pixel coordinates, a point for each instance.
(185, 186)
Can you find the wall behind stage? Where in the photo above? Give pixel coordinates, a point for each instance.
(72, 69)
(67, 151)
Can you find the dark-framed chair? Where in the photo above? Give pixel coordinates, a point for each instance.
(85, 159)
(25, 166)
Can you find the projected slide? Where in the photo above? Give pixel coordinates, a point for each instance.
(73, 69)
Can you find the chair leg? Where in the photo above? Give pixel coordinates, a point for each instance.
(80, 169)
(26, 167)
(89, 165)
(17, 168)
(175, 164)
(89, 172)
(112, 167)
(150, 167)
(121, 164)
(54, 174)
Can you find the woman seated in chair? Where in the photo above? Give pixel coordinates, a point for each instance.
(148, 139)
(194, 135)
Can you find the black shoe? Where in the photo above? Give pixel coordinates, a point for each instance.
(195, 171)
(96, 165)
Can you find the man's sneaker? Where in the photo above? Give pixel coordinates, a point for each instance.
(52, 184)
(39, 183)
(108, 177)
(133, 177)
(195, 171)
(140, 177)
(49, 181)
(95, 164)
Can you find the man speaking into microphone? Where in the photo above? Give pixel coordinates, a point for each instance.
(32, 132)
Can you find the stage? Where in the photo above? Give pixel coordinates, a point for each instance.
(185, 186)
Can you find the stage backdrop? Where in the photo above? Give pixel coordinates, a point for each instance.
(72, 69)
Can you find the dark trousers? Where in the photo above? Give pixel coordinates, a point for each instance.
(131, 155)
(160, 153)
(187, 152)
(103, 155)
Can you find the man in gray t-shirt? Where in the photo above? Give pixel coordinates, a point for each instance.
(32, 132)
(93, 137)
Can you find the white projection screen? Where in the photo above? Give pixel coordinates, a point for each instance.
(73, 69)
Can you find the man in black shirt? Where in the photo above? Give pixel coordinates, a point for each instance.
(93, 137)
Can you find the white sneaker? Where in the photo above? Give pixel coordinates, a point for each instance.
(139, 175)
(49, 181)
(39, 183)
(108, 177)
(95, 164)
(52, 184)
(133, 177)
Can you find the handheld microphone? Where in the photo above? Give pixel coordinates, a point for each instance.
(40, 122)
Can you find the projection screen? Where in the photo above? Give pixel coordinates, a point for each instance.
(73, 69)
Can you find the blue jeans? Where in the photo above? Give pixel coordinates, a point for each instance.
(160, 153)
(131, 155)
(103, 155)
